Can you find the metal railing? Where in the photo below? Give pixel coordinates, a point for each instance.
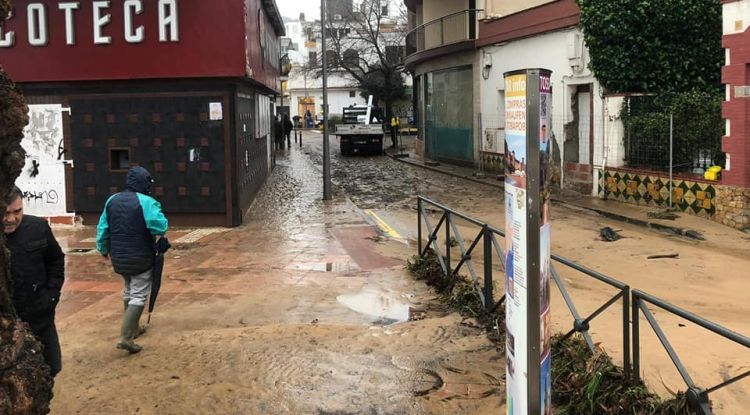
(453, 28)
(697, 396)
(581, 325)
(487, 234)
(633, 301)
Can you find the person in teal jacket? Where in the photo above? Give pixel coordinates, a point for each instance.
(131, 231)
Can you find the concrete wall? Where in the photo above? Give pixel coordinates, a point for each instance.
(338, 98)
(435, 9)
(736, 16)
(564, 53)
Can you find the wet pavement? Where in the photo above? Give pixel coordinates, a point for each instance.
(304, 310)
(700, 280)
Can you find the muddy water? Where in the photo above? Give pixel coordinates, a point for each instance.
(300, 311)
(383, 307)
(709, 278)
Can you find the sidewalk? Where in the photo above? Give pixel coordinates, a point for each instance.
(290, 313)
(686, 225)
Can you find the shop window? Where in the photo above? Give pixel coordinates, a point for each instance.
(119, 159)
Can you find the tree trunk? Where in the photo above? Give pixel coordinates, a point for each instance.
(25, 381)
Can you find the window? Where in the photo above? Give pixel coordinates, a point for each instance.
(352, 94)
(119, 159)
(384, 10)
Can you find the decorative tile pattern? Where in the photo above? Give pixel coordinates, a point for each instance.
(695, 198)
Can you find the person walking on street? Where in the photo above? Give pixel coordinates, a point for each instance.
(308, 119)
(394, 130)
(288, 127)
(131, 231)
(277, 133)
(37, 267)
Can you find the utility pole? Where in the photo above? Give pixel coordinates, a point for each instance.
(326, 147)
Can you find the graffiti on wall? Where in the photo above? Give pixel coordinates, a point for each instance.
(42, 179)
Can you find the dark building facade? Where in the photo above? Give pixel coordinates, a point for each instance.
(183, 88)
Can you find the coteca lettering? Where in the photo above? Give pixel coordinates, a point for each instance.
(38, 16)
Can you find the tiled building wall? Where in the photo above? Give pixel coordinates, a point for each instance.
(644, 189)
(172, 137)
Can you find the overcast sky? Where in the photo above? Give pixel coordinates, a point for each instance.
(292, 8)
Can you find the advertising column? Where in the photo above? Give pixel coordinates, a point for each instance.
(528, 98)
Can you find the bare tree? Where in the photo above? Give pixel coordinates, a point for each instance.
(25, 381)
(367, 45)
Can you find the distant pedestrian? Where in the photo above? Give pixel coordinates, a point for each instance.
(308, 119)
(37, 268)
(288, 127)
(394, 130)
(132, 228)
(278, 133)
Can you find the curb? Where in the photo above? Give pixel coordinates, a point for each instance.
(674, 230)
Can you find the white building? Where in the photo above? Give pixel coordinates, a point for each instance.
(304, 89)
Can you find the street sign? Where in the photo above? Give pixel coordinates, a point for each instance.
(528, 99)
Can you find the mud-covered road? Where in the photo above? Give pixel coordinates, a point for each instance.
(307, 309)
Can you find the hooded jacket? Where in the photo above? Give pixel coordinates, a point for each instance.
(37, 266)
(129, 225)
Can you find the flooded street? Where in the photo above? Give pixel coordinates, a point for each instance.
(307, 308)
(303, 310)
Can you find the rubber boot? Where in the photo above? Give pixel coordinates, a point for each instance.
(141, 328)
(129, 329)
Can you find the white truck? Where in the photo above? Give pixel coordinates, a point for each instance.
(362, 130)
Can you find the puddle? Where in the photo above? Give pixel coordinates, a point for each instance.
(386, 309)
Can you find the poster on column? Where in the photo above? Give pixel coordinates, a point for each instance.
(515, 242)
(545, 154)
(517, 140)
(42, 178)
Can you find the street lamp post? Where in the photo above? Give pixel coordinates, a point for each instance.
(326, 146)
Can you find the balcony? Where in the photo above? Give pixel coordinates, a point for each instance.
(448, 34)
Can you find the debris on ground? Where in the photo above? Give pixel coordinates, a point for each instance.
(662, 256)
(586, 382)
(608, 234)
(662, 214)
(694, 235)
(583, 382)
(459, 294)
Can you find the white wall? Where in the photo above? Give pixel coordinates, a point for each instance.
(337, 99)
(564, 53)
(43, 176)
(736, 16)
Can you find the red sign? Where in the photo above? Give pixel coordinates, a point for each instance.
(55, 40)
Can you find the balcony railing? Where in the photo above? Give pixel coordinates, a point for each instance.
(453, 28)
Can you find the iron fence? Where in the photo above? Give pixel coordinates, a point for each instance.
(633, 301)
(697, 396)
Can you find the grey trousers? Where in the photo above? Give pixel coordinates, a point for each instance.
(137, 288)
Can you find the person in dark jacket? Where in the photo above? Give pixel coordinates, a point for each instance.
(278, 134)
(37, 267)
(127, 233)
(288, 127)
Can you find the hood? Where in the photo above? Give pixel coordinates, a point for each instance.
(139, 180)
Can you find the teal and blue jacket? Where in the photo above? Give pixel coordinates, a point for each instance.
(129, 225)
